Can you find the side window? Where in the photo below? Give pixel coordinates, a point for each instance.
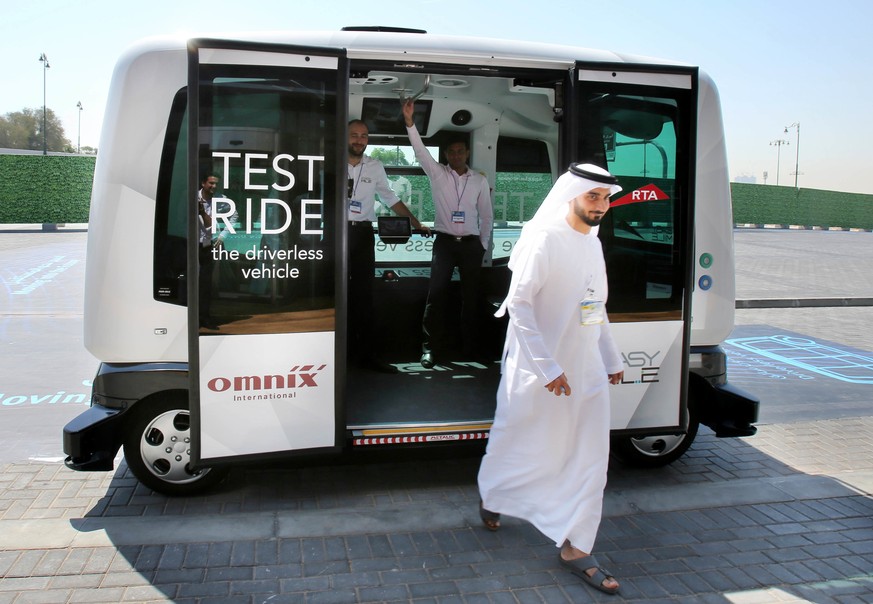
(407, 180)
(524, 178)
(412, 187)
(170, 254)
(637, 138)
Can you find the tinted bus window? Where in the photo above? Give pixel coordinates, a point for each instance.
(638, 139)
(266, 140)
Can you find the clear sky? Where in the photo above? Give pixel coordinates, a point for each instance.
(776, 62)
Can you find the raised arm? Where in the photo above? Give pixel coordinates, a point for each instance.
(408, 112)
(430, 166)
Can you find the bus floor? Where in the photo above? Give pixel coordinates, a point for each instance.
(454, 390)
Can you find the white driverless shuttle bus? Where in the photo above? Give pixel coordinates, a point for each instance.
(267, 113)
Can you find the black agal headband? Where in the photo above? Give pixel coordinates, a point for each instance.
(600, 175)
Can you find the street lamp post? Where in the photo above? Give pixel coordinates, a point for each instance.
(79, 139)
(45, 65)
(796, 126)
(778, 142)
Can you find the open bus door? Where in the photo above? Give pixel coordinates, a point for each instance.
(639, 123)
(267, 121)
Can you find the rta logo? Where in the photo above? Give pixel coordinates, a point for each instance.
(297, 377)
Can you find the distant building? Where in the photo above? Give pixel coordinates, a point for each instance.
(746, 178)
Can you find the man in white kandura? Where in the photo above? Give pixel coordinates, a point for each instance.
(547, 454)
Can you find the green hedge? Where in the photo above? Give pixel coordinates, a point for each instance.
(45, 188)
(768, 204)
(57, 189)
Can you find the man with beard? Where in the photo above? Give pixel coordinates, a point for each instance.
(366, 180)
(548, 449)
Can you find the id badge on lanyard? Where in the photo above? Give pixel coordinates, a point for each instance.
(591, 311)
(458, 217)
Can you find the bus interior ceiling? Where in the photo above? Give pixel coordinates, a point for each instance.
(501, 105)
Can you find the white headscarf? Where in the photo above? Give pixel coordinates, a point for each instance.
(578, 179)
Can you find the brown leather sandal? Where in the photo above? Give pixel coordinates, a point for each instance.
(490, 519)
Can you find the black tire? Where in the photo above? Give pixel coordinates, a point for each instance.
(654, 451)
(157, 448)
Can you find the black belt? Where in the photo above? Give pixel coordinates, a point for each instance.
(457, 238)
(360, 223)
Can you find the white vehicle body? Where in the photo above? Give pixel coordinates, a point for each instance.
(526, 110)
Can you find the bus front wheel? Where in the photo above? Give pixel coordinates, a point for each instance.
(157, 448)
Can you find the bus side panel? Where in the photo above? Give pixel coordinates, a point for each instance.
(714, 281)
(652, 355)
(123, 322)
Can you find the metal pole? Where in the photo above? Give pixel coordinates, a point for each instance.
(79, 139)
(796, 125)
(778, 143)
(778, 154)
(797, 158)
(45, 65)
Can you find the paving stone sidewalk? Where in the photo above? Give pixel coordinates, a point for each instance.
(785, 516)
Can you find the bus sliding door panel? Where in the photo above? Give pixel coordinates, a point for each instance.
(263, 346)
(639, 126)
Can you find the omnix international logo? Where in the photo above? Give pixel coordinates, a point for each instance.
(268, 386)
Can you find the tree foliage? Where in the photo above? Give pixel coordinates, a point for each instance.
(389, 157)
(24, 130)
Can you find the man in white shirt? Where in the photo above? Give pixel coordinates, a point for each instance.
(463, 222)
(366, 180)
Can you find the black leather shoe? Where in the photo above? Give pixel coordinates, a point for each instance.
(427, 360)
